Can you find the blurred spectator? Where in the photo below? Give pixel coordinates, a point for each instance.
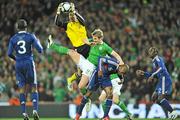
(130, 26)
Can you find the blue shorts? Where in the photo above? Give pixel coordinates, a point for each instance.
(25, 73)
(164, 86)
(95, 82)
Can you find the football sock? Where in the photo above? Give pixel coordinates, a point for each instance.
(22, 98)
(107, 108)
(103, 106)
(35, 100)
(83, 91)
(81, 106)
(123, 108)
(59, 49)
(72, 78)
(165, 104)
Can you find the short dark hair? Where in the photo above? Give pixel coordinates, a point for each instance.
(21, 24)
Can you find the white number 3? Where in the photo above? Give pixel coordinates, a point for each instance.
(21, 44)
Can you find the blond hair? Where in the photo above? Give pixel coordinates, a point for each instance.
(98, 32)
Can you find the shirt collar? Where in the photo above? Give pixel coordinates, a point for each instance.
(22, 32)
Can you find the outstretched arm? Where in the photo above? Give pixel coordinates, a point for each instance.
(118, 57)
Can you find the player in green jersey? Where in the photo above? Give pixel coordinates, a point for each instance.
(98, 49)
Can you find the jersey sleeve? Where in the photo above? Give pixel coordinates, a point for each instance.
(80, 18)
(160, 66)
(59, 22)
(104, 60)
(147, 74)
(10, 50)
(37, 44)
(108, 48)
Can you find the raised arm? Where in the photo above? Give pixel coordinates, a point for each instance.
(80, 18)
(58, 21)
(118, 57)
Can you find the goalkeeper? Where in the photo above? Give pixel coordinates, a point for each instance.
(76, 32)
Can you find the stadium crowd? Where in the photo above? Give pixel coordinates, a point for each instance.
(130, 26)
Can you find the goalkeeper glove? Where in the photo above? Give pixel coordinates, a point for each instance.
(50, 41)
(72, 8)
(59, 8)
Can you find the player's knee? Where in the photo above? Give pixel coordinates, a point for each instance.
(160, 98)
(72, 52)
(22, 90)
(34, 89)
(109, 94)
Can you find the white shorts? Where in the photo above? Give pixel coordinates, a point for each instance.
(116, 87)
(86, 66)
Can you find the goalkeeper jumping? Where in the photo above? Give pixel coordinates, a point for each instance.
(76, 32)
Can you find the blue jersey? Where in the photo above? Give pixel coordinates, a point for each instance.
(22, 44)
(159, 70)
(107, 66)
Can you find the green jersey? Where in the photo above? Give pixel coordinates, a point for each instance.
(114, 76)
(97, 51)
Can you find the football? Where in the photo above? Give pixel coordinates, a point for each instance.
(65, 7)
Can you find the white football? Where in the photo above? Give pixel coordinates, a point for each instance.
(65, 7)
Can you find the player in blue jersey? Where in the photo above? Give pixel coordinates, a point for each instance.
(22, 43)
(164, 85)
(101, 78)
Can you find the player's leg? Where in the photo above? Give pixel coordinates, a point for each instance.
(108, 103)
(35, 100)
(102, 99)
(84, 51)
(88, 72)
(92, 86)
(32, 80)
(116, 96)
(163, 89)
(117, 101)
(22, 98)
(83, 103)
(22, 89)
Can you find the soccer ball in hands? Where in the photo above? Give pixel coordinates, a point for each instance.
(65, 7)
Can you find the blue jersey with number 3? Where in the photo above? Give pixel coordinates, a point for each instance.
(22, 44)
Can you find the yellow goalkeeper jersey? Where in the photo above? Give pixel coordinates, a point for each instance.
(76, 33)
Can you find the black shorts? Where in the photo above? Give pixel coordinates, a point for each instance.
(83, 50)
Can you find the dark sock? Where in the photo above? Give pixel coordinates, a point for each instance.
(35, 100)
(22, 98)
(165, 104)
(81, 106)
(107, 108)
(83, 91)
